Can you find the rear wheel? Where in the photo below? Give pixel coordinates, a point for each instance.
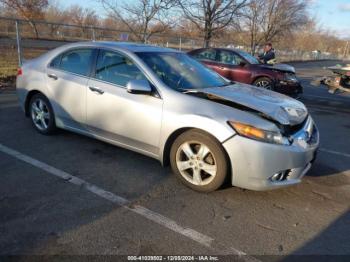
(41, 114)
(345, 82)
(199, 161)
(264, 82)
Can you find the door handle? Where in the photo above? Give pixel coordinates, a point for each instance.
(53, 76)
(97, 90)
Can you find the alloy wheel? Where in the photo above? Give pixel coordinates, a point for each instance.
(40, 114)
(196, 163)
(264, 84)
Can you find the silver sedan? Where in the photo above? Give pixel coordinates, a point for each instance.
(162, 103)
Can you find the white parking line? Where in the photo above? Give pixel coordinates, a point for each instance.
(198, 237)
(334, 152)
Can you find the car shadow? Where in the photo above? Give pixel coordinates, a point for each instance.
(41, 208)
(332, 244)
(320, 169)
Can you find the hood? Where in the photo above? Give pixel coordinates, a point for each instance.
(280, 67)
(281, 108)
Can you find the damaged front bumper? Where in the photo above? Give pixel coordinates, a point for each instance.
(292, 88)
(262, 166)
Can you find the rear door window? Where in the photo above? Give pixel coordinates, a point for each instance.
(228, 58)
(206, 55)
(117, 69)
(55, 63)
(77, 61)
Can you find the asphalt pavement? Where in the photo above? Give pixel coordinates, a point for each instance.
(71, 195)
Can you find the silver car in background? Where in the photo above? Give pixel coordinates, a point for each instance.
(162, 103)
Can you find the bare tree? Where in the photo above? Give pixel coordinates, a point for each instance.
(29, 10)
(56, 14)
(211, 16)
(267, 20)
(253, 21)
(311, 37)
(83, 17)
(109, 23)
(283, 16)
(142, 17)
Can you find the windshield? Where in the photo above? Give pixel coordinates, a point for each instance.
(251, 59)
(180, 72)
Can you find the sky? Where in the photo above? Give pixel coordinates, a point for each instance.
(332, 15)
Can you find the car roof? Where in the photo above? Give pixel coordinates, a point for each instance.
(221, 48)
(129, 46)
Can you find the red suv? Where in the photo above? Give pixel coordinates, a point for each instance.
(240, 66)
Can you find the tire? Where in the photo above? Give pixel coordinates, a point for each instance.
(345, 82)
(212, 168)
(264, 82)
(41, 114)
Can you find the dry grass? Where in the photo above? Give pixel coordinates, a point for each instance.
(8, 62)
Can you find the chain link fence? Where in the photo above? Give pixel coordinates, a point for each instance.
(20, 39)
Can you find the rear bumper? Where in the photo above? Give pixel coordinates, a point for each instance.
(254, 163)
(21, 93)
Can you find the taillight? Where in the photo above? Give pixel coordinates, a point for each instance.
(19, 72)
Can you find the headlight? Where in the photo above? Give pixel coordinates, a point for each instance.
(290, 77)
(259, 134)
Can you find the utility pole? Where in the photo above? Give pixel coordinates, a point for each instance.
(346, 49)
(93, 34)
(18, 38)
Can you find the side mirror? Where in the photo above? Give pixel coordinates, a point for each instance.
(141, 87)
(242, 63)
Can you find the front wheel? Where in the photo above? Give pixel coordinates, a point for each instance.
(199, 161)
(264, 82)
